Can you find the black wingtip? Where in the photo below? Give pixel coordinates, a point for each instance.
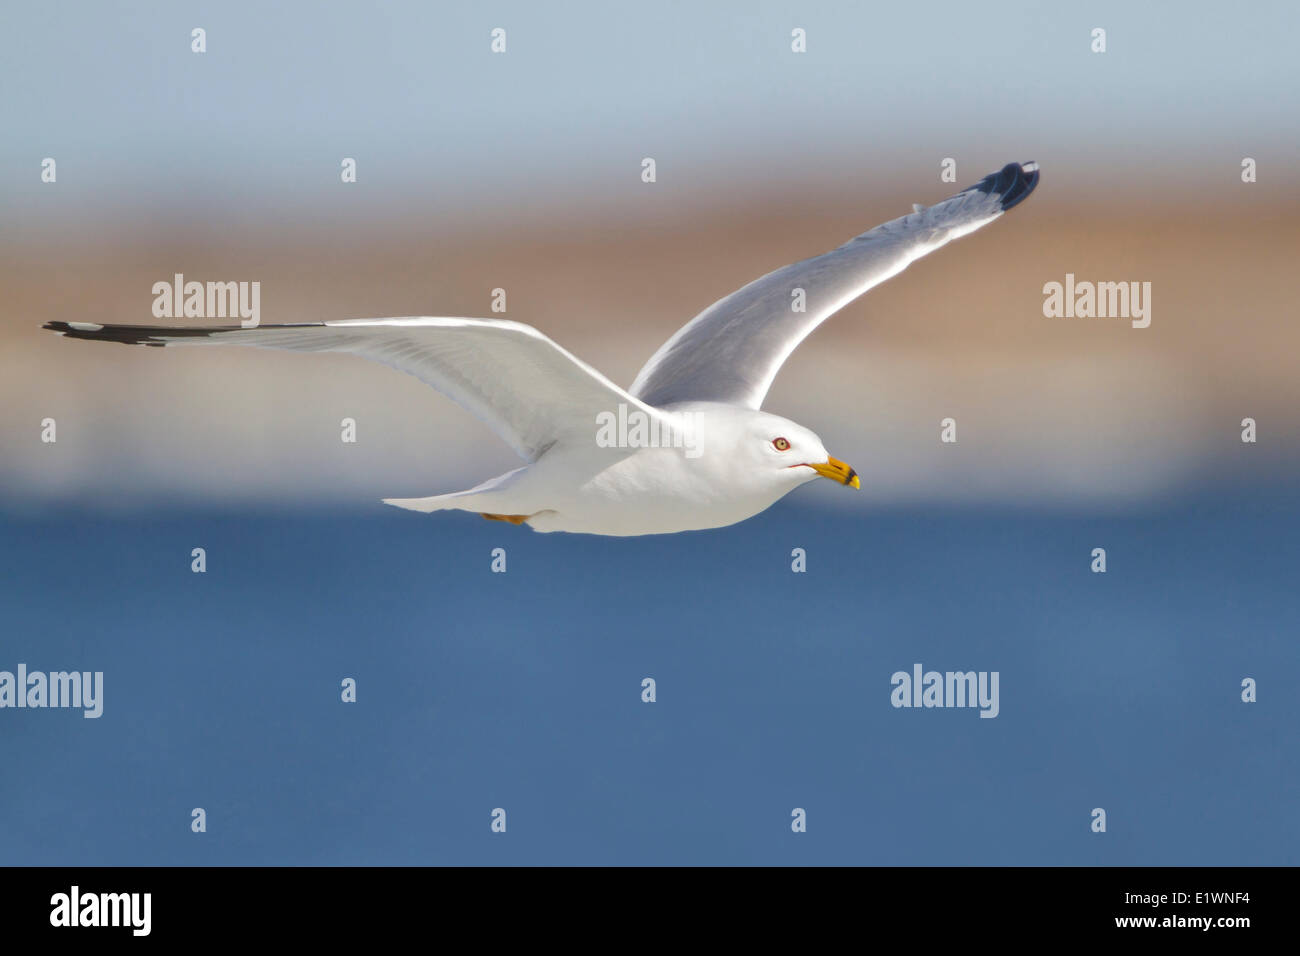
(125, 334)
(1013, 183)
(158, 335)
(153, 335)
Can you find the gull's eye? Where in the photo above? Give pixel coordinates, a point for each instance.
(781, 444)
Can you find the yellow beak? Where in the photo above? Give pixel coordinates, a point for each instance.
(838, 471)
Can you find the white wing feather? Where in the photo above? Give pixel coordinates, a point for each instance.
(528, 389)
(732, 350)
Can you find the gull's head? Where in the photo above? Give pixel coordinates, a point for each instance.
(760, 450)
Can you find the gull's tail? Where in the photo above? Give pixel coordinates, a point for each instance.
(460, 501)
(456, 501)
(487, 496)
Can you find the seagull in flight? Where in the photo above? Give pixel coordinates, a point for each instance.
(687, 446)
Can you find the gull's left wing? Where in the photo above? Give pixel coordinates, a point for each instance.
(732, 350)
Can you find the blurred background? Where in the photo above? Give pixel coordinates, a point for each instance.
(522, 171)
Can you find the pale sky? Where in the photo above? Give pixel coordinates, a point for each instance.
(712, 91)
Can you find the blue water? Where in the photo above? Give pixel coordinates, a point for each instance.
(522, 690)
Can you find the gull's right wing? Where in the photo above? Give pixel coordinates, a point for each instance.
(529, 390)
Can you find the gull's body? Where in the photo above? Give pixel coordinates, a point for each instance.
(613, 491)
(713, 459)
